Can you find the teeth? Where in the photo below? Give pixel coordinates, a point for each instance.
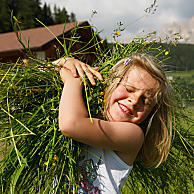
(125, 109)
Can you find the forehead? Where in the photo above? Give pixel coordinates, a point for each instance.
(139, 78)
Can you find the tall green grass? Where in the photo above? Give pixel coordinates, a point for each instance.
(34, 151)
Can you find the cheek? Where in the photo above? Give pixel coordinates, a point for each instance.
(144, 114)
(141, 117)
(118, 94)
(148, 111)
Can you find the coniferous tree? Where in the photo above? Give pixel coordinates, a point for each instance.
(72, 17)
(26, 13)
(27, 10)
(60, 16)
(46, 17)
(5, 25)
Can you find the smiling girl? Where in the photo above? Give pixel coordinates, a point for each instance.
(137, 120)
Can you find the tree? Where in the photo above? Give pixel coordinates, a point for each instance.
(26, 13)
(46, 16)
(27, 10)
(60, 16)
(4, 17)
(72, 17)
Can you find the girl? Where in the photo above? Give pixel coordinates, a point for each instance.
(138, 120)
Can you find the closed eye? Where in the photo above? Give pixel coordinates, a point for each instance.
(129, 90)
(127, 87)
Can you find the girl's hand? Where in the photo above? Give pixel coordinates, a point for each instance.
(79, 69)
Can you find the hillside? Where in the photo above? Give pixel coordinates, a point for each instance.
(181, 57)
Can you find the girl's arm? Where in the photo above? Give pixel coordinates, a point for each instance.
(74, 121)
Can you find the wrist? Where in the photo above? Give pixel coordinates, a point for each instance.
(73, 82)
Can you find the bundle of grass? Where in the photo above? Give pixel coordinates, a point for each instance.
(34, 152)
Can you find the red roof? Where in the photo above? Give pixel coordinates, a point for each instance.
(37, 37)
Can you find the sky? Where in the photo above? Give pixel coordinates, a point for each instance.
(105, 15)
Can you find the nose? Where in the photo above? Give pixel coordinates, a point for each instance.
(134, 99)
(133, 102)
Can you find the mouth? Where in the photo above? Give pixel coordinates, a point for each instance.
(126, 110)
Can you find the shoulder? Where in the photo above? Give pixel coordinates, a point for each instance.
(130, 140)
(125, 136)
(130, 137)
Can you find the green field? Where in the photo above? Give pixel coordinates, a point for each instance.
(183, 74)
(29, 105)
(185, 80)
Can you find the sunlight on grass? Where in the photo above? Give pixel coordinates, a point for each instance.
(35, 151)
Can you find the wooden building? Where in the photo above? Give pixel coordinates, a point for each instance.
(44, 44)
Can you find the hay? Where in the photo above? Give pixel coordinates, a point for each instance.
(34, 150)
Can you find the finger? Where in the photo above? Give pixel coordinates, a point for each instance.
(95, 68)
(67, 63)
(85, 72)
(96, 73)
(59, 62)
(90, 77)
(80, 70)
(88, 73)
(74, 71)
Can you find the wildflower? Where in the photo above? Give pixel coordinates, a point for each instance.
(99, 101)
(16, 20)
(53, 164)
(166, 53)
(117, 33)
(94, 12)
(25, 61)
(55, 157)
(46, 163)
(101, 93)
(101, 41)
(68, 178)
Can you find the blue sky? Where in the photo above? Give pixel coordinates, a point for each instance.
(130, 12)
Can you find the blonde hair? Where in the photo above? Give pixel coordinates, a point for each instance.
(157, 126)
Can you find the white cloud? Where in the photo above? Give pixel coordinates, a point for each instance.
(110, 12)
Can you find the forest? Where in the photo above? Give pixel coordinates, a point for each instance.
(27, 10)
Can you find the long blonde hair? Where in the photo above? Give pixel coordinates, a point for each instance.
(157, 126)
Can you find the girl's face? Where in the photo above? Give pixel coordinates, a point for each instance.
(132, 100)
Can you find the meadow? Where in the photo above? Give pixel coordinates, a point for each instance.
(34, 151)
(185, 79)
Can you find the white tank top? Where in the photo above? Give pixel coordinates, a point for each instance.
(102, 172)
